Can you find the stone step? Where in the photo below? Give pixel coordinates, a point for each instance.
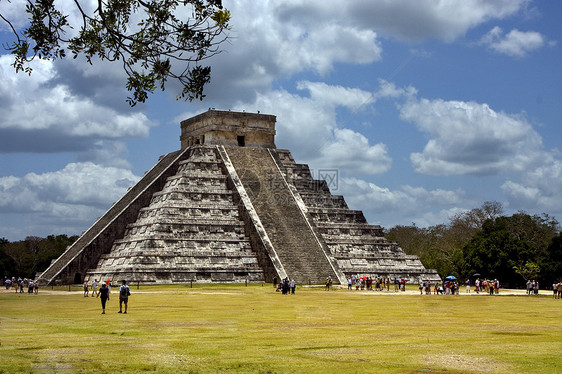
(190, 230)
(281, 217)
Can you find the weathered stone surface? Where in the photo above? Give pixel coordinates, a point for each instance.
(217, 127)
(358, 248)
(190, 231)
(229, 207)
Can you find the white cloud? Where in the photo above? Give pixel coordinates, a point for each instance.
(309, 125)
(63, 201)
(66, 117)
(407, 204)
(13, 11)
(538, 188)
(423, 19)
(515, 43)
(470, 138)
(352, 98)
(389, 90)
(78, 183)
(271, 40)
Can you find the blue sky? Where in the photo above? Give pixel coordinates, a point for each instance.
(425, 108)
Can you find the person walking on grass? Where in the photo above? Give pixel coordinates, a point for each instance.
(104, 296)
(124, 293)
(86, 290)
(95, 288)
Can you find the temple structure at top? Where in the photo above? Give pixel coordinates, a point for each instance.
(229, 128)
(231, 207)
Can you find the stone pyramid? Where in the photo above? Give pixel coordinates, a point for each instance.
(231, 207)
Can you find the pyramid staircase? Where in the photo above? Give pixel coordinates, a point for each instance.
(302, 255)
(357, 247)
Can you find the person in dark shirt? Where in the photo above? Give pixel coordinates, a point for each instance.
(104, 296)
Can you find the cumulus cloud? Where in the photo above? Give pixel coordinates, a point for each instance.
(415, 20)
(470, 138)
(539, 188)
(515, 43)
(310, 128)
(271, 40)
(59, 120)
(62, 201)
(473, 139)
(330, 95)
(408, 203)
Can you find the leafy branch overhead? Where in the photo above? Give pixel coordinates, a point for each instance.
(154, 40)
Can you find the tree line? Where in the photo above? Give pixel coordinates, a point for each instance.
(512, 249)
(24, 258)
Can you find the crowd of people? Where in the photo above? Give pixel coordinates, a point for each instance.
(362, 282)
(22, 285)
(446, 287)
(532, 287)
(286, 286)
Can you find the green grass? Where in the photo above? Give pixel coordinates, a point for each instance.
(253, 329)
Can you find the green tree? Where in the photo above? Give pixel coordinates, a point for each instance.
(552, 267)
(433, 245)
(6, 262)
(511, 248)
(530, 270)
(34, 254)
(154, 40)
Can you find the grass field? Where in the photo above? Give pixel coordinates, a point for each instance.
(238, 329)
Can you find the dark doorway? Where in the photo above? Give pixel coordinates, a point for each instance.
(77, 278)
(241, 140)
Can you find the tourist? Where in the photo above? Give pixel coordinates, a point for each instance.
(477, 285)
(30, 286)
(86, 290)
(95, 288)
(559, 287)
(124, 293)
(468, 286)
(554, 290)
(349, 281)
(285, 288)
(104, 296)
(36, 286)
(421, 287)
(293, 286)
